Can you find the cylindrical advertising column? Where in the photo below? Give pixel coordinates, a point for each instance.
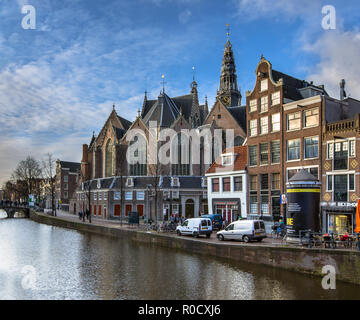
(303, 205)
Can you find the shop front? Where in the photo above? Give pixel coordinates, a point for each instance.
(338, 217)
(229, 210)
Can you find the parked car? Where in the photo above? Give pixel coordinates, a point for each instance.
(195, 227)
(243, 230)
(216, 220)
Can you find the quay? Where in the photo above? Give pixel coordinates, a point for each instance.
(270, 253)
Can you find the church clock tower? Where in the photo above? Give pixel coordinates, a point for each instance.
(228, 93)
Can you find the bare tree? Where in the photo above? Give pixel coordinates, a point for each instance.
(121, 174)
(86, 186)
(49, 173)
(28, 171)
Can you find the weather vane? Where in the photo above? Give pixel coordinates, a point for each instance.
(228, 31)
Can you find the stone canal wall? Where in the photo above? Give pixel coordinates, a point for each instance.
(303, 260)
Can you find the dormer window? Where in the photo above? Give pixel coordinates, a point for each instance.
(264, 85)
(130, 182)
(227, 159)
(204, 182)
(175, 182)
(98, 184)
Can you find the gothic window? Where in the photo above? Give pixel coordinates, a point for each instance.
(238, 141)
(180, 155)
(108, 159)
(138, 166)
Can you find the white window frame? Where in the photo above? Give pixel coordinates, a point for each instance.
(253, 128)
(352, 148)
(287, 150)
(288, 120)
(127, 195)
(262, 125)
(264, 104)
(304, 146)
(100, 196)
(117, 195)
(140, 195)
(275, 123)
(275, 98)
(304, 120)
(264, 85)
(253, 105)
(95, 195)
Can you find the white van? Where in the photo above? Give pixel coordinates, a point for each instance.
(195, 227)
(243, 230)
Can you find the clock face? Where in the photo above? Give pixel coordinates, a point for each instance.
(226, 101)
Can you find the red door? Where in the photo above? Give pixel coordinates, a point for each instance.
(128, 208)
(104, 212)
(117, 210)
(99, 212)
(94, 210)
(140, 209)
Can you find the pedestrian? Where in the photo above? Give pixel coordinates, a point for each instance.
(80, 215)
(87, 214)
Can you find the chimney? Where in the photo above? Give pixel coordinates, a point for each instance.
(342, 90)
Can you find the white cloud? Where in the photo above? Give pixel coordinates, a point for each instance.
(338, 59)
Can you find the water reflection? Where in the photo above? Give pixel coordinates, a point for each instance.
(72, 265)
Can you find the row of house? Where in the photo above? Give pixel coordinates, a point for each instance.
(286, 124)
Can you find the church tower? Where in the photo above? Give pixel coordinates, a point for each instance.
(228, 93)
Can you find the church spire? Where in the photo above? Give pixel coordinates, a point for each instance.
(228, 93)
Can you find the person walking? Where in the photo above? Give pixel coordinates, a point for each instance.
(80, 215)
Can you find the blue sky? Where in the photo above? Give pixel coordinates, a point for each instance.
(59, 81)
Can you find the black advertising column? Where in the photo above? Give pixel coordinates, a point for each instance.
(303, 205)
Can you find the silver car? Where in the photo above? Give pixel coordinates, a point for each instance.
(243, 230)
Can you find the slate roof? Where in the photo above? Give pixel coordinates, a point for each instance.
(72, 166)
(239, 114)
(125, 123)
(240, 161)
(119, 132)
(166, 110)
(292, 85)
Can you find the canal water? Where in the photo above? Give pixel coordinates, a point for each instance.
(44, 262)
